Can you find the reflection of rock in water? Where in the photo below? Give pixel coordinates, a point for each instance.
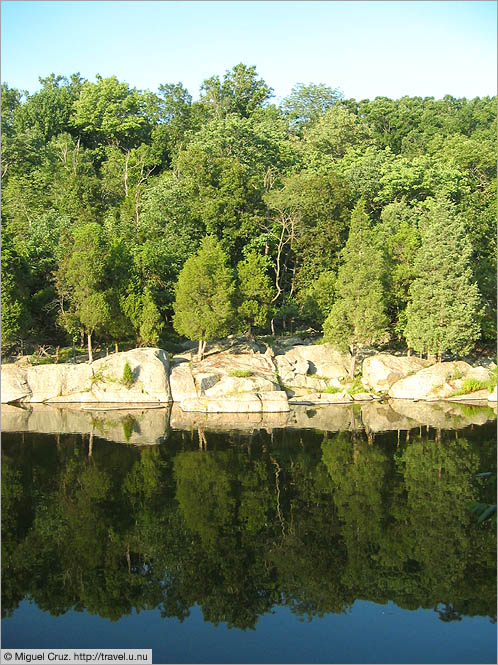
(226, 421)
(138, 426)
(142, 426)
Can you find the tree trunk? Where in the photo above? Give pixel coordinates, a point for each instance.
(353, 366)
(200, 350)
(74, 353)
(116, 347)
(57, 354)
(90, 355)
(440, 357)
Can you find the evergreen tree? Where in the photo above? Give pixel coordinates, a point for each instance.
(445, 308)
(80, 280)
(151, 323)
(255, 291)
(204, 295)
(358, 315)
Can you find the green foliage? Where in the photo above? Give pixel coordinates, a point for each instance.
(358, 315)
(356, 387)
(241, 373)
(332, 390)
(255, 291)
(151, 323)
(445, 309)
(307, 103)
(127, 377)
(158, 172)
(204, 294)
(471, 385)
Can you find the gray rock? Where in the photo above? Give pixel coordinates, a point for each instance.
(323, 398)
(431, 383)
(98, 382)
(364, 397)
(381, 371)
(324, 360)
(14, 384)
(206, 381)
(230, 385)
(181, 381)
(242, 403)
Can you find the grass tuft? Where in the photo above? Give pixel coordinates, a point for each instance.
(240, 373)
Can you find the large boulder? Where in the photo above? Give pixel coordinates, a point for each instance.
(14, 384)
(99, 382)
(237, 370)
(381, 371)
(436, 382)
(323, 360)
(181, 380)
(233, 385)
(270, 402)
(312, 367)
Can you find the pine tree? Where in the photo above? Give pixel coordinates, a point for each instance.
(81, 279)
(358, 315)
(255, 291)
(151, 323)
(204, 295)
(445, 305)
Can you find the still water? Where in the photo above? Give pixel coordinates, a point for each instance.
(250, 544)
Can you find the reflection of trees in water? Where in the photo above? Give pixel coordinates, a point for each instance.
(240, 523)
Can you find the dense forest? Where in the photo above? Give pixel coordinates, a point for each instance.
(136, 216)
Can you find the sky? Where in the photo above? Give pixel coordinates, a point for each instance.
(365, 49)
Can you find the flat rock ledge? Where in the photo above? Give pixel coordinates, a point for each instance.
(317, 399)
(267, 402)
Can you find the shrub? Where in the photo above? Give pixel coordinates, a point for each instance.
(127, 378)
(97, 377)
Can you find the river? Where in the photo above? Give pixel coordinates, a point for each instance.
(214, 540)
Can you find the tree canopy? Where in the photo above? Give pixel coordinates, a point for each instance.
(157, 172)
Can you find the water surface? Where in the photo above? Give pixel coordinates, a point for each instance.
(282, 545)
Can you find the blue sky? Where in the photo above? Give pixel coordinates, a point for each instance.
(363, 48)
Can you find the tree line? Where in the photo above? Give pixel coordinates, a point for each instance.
(133, 215)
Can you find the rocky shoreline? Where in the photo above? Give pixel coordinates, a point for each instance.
(244, 376)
